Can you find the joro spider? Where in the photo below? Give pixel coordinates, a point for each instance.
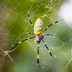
(38, 33)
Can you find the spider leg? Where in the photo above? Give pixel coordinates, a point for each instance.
(14, 45)
(38, 46)
(6, 53)
(29, 17)
(48, 34)
(52, 24)
(47, 48)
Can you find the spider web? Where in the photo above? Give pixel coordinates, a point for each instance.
(56, 43)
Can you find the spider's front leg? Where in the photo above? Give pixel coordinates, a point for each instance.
(53, 24)
(29, 17)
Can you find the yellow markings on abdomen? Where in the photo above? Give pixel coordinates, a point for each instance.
(38, 26)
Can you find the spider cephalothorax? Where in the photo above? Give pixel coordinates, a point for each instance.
(39, 38)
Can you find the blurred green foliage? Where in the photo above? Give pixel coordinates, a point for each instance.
(14, 26)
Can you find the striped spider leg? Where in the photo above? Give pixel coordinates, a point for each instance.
(7, 52)
(29, 17)
(52, 24)
(38, 46)
(23, 40)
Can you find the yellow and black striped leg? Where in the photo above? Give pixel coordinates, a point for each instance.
(13, 46)
(30, 18)
(47, 48)
(38, 46)
(53, 24)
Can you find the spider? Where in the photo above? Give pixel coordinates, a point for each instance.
(39, 34)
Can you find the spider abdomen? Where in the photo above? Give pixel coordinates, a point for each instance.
(38, 27)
